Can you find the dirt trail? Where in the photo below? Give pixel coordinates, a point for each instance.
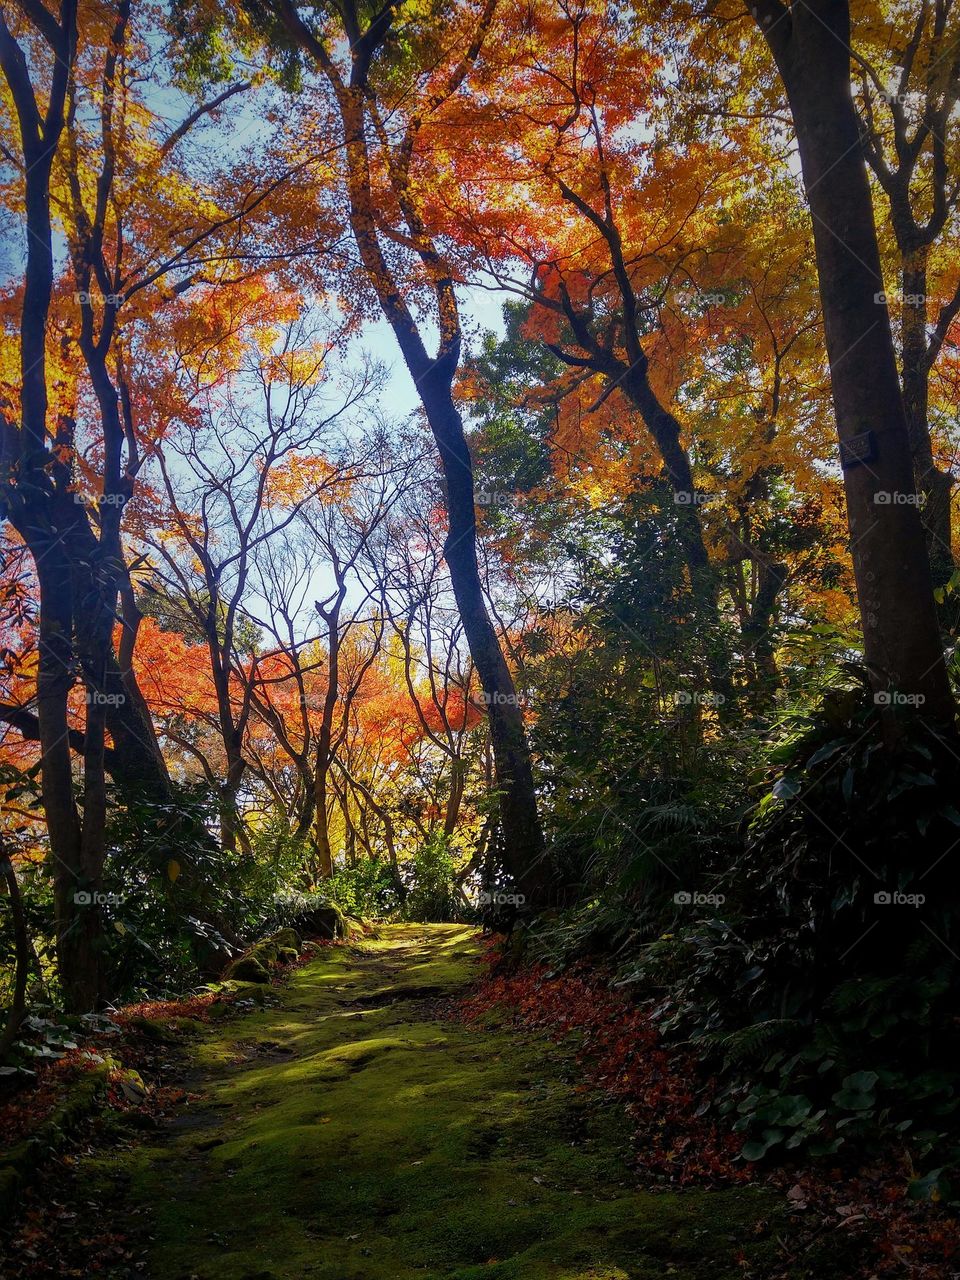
(353, 1132)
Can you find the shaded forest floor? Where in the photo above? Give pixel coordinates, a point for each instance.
(353, 1130)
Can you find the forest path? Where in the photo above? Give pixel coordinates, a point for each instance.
(355, 1132)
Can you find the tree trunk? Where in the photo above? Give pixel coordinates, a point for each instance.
(305, 808)
(38, 505)
(78, 924)
(22, 951)
(771, 576)
(902, 647)
(455, 798)
(704, 583)
(433, 377)
(128, 717)
(322, 822)
(228, 801)
(324, 756)
(932, 484)
(522, 836)
(92, 632)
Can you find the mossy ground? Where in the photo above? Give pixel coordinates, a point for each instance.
(351, 1134)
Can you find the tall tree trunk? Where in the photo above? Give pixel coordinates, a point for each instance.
(137, 763)
(128, 717)
(522, 835)
(902, 646)
(321, 825)
(932, 484)
(228, 801)
(135, 731)
(771, 576)
(76, 910)
(704, 582)
(36, 501)
(455, 798)
(231, 734)
(22, 952)
(93, 628)
(324, 752)
(433, 377)
(305, 808)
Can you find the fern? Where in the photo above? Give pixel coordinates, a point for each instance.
(669, 819)
(748, 1042)
(860, 993)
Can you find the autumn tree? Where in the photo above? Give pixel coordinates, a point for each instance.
(907, 86)
(439, 677)
(811, 46)
(93, 163)
(323, 619)
(36, 497)
(232, 483)
(357, 57)
(651, 272)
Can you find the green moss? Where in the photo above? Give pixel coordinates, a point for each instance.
(185, 1026)
(354, 928)
(19, 1165)
(364, 1139)
(247, 969)
(255, 963)
(152, 1029)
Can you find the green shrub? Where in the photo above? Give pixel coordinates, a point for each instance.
(827, 1006)
(368, 889)
(431, 877)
